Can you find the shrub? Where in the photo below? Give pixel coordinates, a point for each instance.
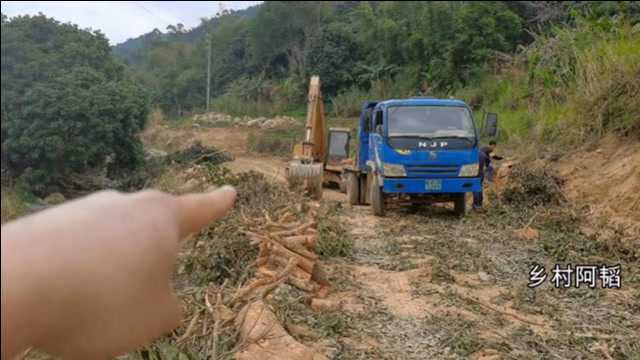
(15, 201)
(258, 96)
(568, 86)
(349, 102)
(67, 108)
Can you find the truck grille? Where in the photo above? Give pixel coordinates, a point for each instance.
(431, 170)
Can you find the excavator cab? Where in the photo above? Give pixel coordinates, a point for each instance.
(339, 140)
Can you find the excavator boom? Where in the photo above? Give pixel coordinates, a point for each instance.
(310, 155)
(315, 131)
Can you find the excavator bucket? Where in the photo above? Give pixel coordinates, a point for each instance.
(307, 175)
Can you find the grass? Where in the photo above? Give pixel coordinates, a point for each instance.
(15, 201)
(334, 239)
(567, 87)
(278, 142)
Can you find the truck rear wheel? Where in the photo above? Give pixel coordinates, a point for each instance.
(460, 204)
(353, 188)
(377, 197)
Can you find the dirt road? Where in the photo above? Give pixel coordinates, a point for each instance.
(422, 283)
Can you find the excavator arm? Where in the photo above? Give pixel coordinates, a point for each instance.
(309, 156)
(314, 146)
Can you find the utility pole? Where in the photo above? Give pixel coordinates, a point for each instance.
(209, 40)
(208, 69)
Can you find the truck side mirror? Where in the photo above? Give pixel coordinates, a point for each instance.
(491, 125)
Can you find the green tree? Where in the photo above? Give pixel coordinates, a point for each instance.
(483, 28)
(67, 107)
(280, 34)
(372, 73)
(230, 54)
(332, 55)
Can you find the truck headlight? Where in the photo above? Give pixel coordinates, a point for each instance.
(469, 170)
(394, 170)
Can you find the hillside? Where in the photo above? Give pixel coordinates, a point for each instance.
(132, 50)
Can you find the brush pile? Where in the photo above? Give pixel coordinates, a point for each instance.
(528, 185)
(228, 273)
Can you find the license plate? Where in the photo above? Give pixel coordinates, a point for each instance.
(433, 185)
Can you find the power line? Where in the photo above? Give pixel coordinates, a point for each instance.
(140, 5)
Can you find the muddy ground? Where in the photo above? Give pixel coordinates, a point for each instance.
(422, 283)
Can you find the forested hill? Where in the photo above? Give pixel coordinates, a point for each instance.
(132, 50)
(263, 56)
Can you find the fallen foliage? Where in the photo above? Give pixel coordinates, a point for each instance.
(197, 154)
(531, 185)
(227, 272)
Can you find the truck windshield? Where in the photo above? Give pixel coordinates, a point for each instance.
(430, 122)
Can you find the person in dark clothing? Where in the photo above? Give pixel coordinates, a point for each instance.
(485, 168)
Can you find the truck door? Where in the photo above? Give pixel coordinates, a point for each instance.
(363, 136)
(377, 131)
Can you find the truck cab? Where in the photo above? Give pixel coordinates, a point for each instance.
(421, 150)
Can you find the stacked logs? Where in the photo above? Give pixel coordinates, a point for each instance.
(286, 241)
(286, 255)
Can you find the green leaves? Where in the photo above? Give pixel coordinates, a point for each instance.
(66, 107)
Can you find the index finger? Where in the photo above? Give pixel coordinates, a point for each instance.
(195, 211)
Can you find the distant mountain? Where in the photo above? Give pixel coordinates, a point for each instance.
(131, 52)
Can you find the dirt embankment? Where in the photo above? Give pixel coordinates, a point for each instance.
(606, 180)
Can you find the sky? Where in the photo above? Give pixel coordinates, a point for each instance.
(121, 20)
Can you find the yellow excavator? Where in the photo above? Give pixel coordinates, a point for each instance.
(321, 156)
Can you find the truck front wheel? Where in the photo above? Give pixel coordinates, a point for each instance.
(460, 204)
(377, 197)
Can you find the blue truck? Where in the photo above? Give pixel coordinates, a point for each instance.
(417, 150)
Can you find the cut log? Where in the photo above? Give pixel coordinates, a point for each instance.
(277, 262)
(296, 231)
(287, 217)
(242, 293)
(319, 275)
(308, 286)
(298, 249)
(308, 241)
(323, 292)
(266, 272)
(261, 287)
(263, 338)
(282, 251)
(301, 330)
(325, 305)
(261, 261)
